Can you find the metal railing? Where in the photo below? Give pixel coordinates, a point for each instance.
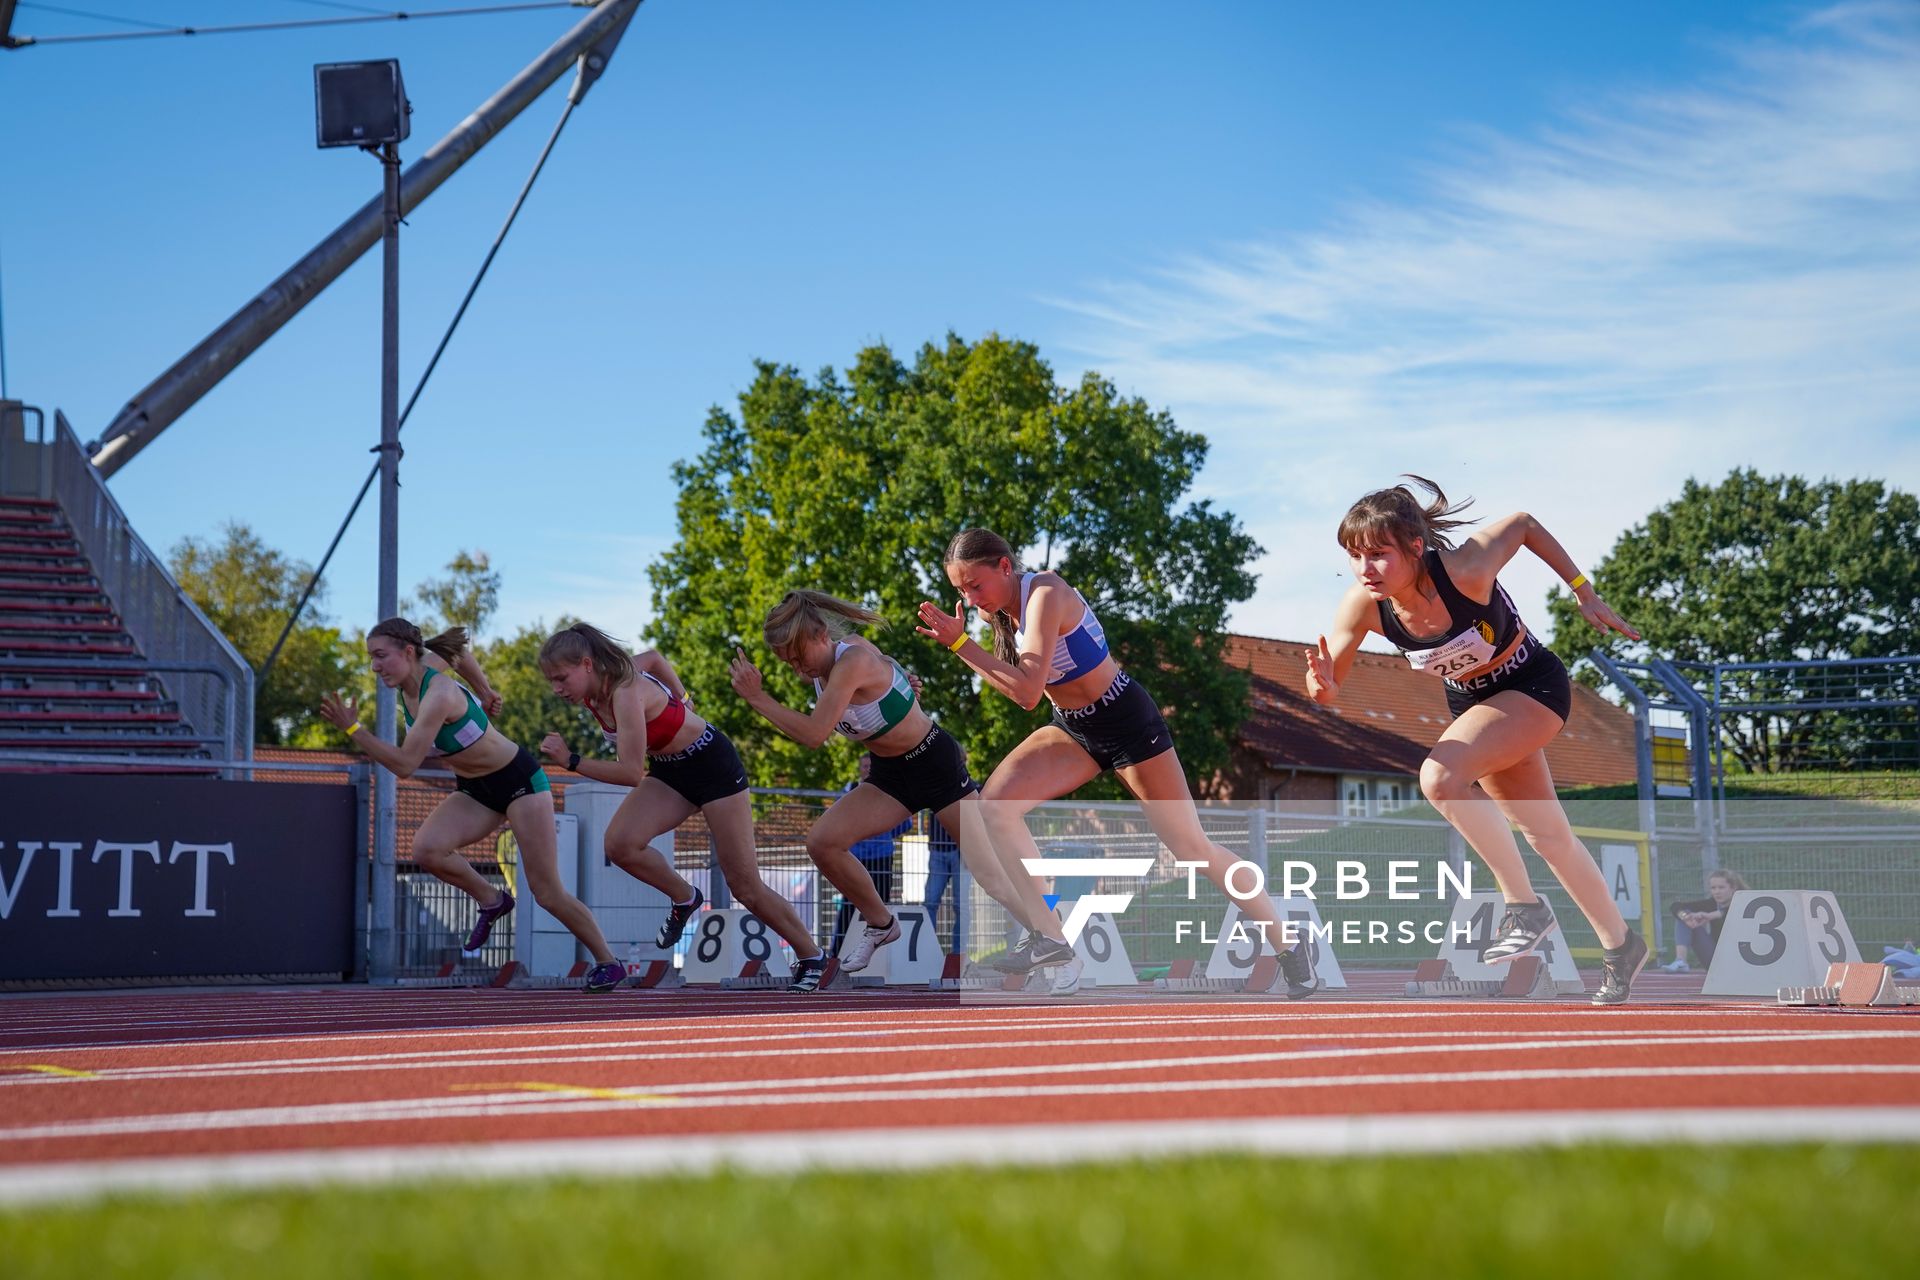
(206, 676)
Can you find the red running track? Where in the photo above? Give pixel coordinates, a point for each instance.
(91, 1079)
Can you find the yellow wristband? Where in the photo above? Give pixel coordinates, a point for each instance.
(1579, 581)
(957, 645)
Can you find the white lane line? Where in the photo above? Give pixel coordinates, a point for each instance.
(936, 1146)
(601, 1050)
(584, 1052)
(930, 1147)
(524, 1104)
(1043, 1016)
(859, 1086)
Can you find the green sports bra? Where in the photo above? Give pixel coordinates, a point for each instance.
(866, 720)
(455, 736)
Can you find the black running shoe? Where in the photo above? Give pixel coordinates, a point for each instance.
(1017, 958)
(605, 977)
(1619, 966)
(1047, 952)
(1521, 930)
(1296, 966)
(807, 975)
(676, 921)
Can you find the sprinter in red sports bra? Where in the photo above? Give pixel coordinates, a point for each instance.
(687, 766)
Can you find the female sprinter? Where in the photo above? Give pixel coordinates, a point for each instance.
(867, 697)
(1443, 607)
(687, 765)
(492, 778)
(1047, 643)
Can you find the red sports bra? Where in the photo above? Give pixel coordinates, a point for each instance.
(660, 730)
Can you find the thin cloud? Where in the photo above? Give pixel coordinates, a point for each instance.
(1663, 282)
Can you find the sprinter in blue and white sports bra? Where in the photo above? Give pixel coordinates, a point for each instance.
(1048, 643)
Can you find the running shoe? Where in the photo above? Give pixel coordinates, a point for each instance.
(605, 977)
(1047, 952)
(1678, 966)
(871, 939)
(807, 975)
(483, 927)
(1017, 958)
(1521, 929)
(1619, 966)
(1296, 966)
(676, 921)
(1066, 978)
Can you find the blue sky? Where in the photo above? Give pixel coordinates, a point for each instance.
(1560, 257)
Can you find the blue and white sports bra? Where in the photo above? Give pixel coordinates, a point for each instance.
(1074, 654)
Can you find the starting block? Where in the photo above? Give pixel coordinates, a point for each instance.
(655, 974)
(1853, 986)
(957, 975)
(1181, 977)
(1527, 978)
(757, 975)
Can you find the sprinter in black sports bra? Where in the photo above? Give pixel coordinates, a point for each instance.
(1443, 607)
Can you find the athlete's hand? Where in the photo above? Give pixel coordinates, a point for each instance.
(554, 749)
(1321, 686)
(491, 702)
(339, 712)
(943, 627)
(745, 676)
(914, 680)
(1601, 615)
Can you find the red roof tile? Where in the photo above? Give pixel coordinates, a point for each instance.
(1390, 715)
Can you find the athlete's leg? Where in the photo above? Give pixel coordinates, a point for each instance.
(731, 822)
(1020, 895)
(1486, 739)
(456, 822)
(531, 817)
(650, 810)
(1047, 765)
(1161, 787)
(1525, 796)
(864, 811)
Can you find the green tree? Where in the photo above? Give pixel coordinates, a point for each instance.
(1764, 569)
(247, 589)
(466, 596)
(530, 711)
(855, 484)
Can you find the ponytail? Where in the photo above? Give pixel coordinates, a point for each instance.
(1398, 516)
(804, 613)
(984, 546)
(612, 664)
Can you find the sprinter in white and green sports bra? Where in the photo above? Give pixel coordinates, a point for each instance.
(865, 696)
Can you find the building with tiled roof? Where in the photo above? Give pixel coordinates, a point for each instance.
(1364, 753)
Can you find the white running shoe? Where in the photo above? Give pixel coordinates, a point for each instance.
(871, 939)
(1066, 978)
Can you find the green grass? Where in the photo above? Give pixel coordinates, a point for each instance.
(1601, 1212)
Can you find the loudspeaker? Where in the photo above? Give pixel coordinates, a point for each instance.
(360, 104)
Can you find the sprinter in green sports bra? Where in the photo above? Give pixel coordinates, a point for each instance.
(865, 696)
(494, 778)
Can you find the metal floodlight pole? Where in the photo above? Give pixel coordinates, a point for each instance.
(178, 389)
(386, 789)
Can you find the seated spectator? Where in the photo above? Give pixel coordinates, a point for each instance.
(1700, 921)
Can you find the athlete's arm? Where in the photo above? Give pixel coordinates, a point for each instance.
(650, 662)
(467, 667)
(811, 731)
(1329, 663)
(1480, 558)
(628, 768)
(1026, 682)
(442, 704)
